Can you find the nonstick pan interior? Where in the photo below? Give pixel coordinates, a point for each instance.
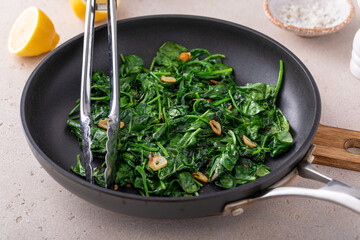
(54, 86)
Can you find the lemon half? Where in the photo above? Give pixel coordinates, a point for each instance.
(79, 8)
(32, 34)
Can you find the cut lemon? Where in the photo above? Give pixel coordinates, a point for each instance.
(32, 34)
(79, 8)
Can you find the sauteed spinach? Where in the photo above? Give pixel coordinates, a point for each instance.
(184, 123)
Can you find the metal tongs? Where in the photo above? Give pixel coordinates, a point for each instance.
(86, 76)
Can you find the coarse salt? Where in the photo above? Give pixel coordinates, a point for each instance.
(315, 15)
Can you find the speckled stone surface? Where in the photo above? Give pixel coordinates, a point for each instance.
(34, 206)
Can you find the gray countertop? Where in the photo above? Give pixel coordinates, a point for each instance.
(34, 206)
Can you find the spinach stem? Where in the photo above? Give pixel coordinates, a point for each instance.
(150, 149)
(152, 64)
(127, 94)
(162, 148)
(165, 117)
(247, 106)
(159, 102)
(74, 109)
(154, 75)
(237, 108)
(232, 134)
(279, 83)
(198, 117)
(73, 118)
(143, 176)
(162, 184)
(192, 136)
(214, 56)
(130, 125)
(175, 69)
(223, 71)
(122, 58)
(97, 86)
(162, 73)
(189, 93)
(259, 150)
(264, 141)
(196, 103)
(154, 99)
(221, 101)
(142, 158)
(99, 98)
(198, 183)
(205, 64)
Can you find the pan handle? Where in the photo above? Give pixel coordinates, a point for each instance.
(333, 190)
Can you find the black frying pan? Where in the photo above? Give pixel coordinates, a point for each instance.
(54, 86)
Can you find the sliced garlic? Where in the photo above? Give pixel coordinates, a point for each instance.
(168, 79)
(216, 127)
(185, 56)
(157, 162)
(215, 82)
(200, 177)
(248, 142)
(104, 123)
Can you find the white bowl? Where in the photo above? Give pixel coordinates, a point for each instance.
(341, 12)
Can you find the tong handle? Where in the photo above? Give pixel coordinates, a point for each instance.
(85, 100)
(113, 123)
(85, 94)
(113, 56)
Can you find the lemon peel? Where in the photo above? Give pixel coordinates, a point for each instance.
(32, 34)
(79, 8)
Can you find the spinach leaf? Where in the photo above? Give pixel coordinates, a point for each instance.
(78, 169)
(133, 65)
(169, 53)
(188, 183)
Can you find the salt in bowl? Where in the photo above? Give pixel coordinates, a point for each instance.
(310, 18)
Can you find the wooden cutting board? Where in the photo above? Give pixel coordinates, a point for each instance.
(331, 144)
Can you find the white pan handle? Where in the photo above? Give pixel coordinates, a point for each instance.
(333, 190)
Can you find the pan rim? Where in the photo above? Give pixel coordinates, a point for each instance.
(78, 180)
